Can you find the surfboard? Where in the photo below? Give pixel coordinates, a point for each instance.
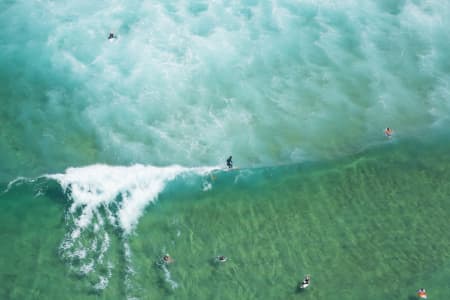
(304, 285)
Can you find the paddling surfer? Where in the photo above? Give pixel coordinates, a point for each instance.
(305, 283)
(221, 258)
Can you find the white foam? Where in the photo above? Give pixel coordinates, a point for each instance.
(103, 280)
(129, 270)
(94, 244)
(38, 193)
(168, 277)
(104, 247)
(102, 284)
(87, 268)
(117, 196)
(95, 186)
(19, 180)
(206, 186)
(79, 254)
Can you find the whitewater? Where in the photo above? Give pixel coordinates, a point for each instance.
(190, 83)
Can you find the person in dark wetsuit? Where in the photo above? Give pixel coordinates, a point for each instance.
(230, 162)
(111, 36)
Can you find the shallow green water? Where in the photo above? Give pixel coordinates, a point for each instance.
(374, 225)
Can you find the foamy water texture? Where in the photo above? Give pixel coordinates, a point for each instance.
(102, 196)
(190, 82)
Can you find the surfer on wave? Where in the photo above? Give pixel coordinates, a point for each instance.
(230, 162)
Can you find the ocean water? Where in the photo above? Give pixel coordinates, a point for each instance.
(113, 152)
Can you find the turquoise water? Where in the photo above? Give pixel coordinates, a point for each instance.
(113, 151)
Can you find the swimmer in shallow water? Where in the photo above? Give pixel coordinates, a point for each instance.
(167, 259)
(422, 294)
(388, 132)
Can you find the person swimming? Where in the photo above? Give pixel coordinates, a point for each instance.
(230, 162)
(111, 36)
(388, 132)
(305, 283)
(167, 259)
(422, 294)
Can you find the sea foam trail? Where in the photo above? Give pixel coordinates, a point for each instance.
(17, 181)
(104, 195)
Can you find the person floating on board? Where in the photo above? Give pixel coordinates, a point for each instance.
(112, 36)
(305, 283)
(388, 132)
(230, 162)
(422, 294)
(221, 258)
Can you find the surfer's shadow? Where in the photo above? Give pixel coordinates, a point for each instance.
(298, 290)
